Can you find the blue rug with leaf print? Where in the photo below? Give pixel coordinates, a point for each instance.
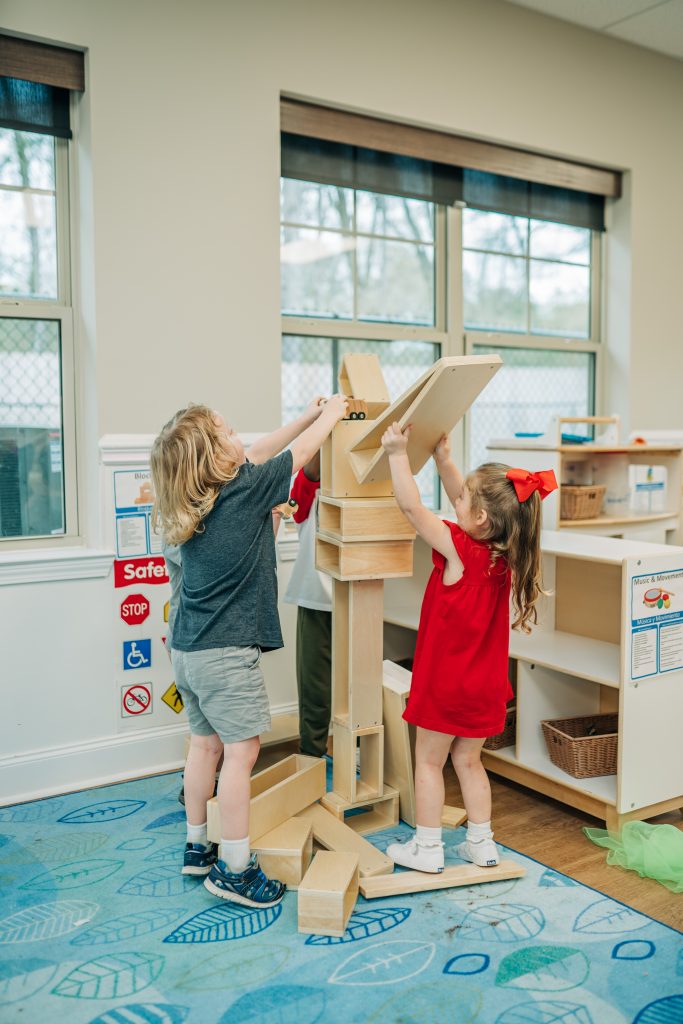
(98, 926)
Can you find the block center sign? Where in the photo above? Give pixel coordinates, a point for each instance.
(134, 609)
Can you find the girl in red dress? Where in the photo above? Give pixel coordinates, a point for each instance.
(460, 684)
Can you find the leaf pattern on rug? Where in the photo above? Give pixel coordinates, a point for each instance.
(166, 880)
(127, 926)
(242, 969)
(20, 979)
(56, 847)
(467, 963)
(223, 923)
(111, 977)
(144, 1013)
(74, 875)
(385, 963)
(503, 922)
(546, 1013)
(607, 917)
(266, 1005)
(553, 879)
(543, 969)
(46, 921)
(174, 823)
(363, 924)
(107, 810)
(662, 1011)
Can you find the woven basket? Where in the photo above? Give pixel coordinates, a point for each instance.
(507, 737)
(583, 747)
(581, 502)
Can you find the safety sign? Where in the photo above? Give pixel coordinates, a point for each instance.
(131, 572)
(136, 700)
(137, 654)
(134, 609)
(173, 699)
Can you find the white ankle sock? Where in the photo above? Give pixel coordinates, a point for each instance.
(427, 836)
(478, 831)
(197, 834)
(235, 853)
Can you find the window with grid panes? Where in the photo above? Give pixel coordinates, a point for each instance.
(36, 363)
(530, 294)
(358, 273)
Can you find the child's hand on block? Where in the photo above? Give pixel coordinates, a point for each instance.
(442, 452)
(395, 440)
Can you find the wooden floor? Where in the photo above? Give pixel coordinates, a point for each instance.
(551, 833)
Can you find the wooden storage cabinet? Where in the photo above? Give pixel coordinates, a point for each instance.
(598, 647)
(602, 463)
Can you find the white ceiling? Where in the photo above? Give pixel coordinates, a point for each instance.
(654, 25)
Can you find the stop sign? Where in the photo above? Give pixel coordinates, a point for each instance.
(134, 609)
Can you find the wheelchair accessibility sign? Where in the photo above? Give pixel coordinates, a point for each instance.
(137, 654)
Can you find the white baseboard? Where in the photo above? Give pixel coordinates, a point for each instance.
(67, 769)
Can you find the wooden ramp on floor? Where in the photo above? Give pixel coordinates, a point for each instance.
(402, 882)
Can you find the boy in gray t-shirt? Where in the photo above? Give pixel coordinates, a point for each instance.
(217, 506)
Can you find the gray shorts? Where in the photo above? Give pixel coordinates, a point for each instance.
(223, 692)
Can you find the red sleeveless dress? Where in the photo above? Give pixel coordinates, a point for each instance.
(460, 682)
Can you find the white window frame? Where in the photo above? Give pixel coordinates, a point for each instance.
(60, 310)
(508, 339)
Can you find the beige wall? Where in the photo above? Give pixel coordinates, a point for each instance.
(180, 158)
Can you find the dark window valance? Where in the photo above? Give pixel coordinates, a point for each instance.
(338, 147)
(30, 107)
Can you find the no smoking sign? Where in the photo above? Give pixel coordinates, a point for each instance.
(136, 700)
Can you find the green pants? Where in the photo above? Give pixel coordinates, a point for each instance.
(314, 679)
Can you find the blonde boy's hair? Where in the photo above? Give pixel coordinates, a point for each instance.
(191, 460)
(513, 530)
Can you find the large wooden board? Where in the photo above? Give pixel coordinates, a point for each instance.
(434, 405)
(420, 881)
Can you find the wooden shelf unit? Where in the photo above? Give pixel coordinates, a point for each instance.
(597, 463)
(590, 653)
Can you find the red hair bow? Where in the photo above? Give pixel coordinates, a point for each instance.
(525, 483)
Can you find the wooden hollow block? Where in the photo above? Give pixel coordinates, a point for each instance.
(333, 834)
(369, 815)
(433, 405)
(328, 894)
(363, 519)
(357, 637)
(368, 782)
(360, 376)
(421, 881)
(277, 793)
(286, 851)
(363, 560)
(398, 753)
(452, 817)
(337, 479)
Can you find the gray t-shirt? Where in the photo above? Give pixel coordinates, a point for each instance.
(171, 553)
(228, 594)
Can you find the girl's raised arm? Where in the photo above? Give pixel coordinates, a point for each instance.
(432, 529)
(451, 477)
(272, 444)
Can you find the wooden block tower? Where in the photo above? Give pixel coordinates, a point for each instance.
(363, 539)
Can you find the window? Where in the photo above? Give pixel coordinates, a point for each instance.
(530, 294)
(37, 446)
(469, 248)
(359, 273)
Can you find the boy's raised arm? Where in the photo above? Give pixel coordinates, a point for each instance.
(266, 447)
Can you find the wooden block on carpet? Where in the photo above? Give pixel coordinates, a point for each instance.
(333, 834)
(328, 894)
(420, 881)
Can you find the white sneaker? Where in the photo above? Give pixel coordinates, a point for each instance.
(484, 853)
(418, 858)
